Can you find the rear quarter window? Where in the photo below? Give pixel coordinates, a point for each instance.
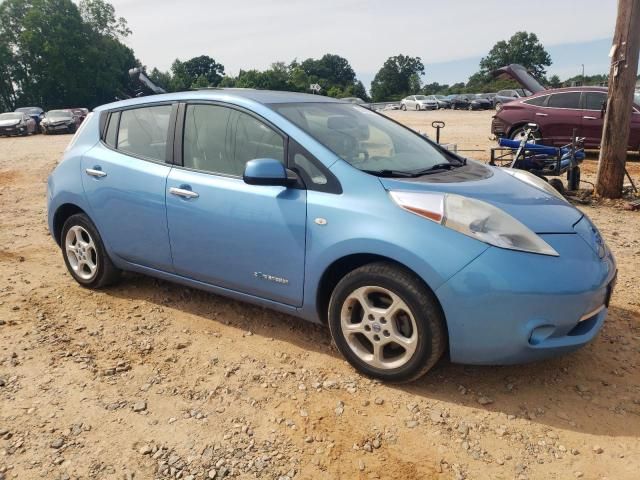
(537, 101)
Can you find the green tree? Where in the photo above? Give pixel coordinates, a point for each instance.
(162, 79)
(100, 16)
(398, 77)
(206, 66)
(53, 57)
(523, 48)
(554, 81)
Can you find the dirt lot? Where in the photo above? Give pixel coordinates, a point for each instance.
(152, 380)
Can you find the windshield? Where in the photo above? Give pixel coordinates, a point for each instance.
(420, 97)
(29, 110)
(59, 114)
(367, 140)
(11, 116)
(440, 97)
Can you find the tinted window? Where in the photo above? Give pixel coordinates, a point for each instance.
(565, 100)
(112, 129)
(143, 131)
(595, 100)
(254, 139)
(537, 101)
(207, 139)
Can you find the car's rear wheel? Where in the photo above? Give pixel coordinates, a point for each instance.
(84, 253)
(520, 133)
(386, 323)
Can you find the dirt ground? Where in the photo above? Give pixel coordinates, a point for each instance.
(153, 380)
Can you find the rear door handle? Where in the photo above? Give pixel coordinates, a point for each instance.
(590, 118)
(183, 192)
(95, 172)
(538, 114)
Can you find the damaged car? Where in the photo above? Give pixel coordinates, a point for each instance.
(559, 113)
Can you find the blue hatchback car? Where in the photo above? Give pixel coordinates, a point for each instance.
(332, 212)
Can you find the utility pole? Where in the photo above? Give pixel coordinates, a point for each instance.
(622, 80)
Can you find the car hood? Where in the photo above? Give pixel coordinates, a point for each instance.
(538, 210)
(9, 123)
(519, 74)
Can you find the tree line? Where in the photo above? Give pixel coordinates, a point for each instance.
(56, 53)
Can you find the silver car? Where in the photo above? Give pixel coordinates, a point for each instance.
(418, 102)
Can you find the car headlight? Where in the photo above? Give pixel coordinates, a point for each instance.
(474, 218)
(534, 181)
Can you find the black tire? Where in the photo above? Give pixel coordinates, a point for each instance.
(470, 107)
(557, 184)
(417, 108)
(403, 107)
(430, 327)
(106, 273)
(537, 138)
(72, 129)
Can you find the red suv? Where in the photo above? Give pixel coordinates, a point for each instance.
(558, 112)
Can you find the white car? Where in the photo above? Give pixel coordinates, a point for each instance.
(418, 102)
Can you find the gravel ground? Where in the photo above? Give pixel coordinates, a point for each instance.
(153, 380)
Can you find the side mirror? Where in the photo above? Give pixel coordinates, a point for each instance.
(265, 171)
(603, 109)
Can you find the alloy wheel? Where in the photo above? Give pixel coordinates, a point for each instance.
(379, 327)
(81, 252)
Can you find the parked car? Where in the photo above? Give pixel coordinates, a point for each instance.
(477, 103)
(489, 96)
(458, 102)
(339, 215)
(16, 123)
(418, 102)
(560, 112)
(509, 95)
(36, 113)
(81, 113)
(56, 121)
(440, 101)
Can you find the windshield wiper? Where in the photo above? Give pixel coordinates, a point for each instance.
(390, 173)
(438, 167)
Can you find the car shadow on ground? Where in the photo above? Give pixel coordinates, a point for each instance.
(589, 391)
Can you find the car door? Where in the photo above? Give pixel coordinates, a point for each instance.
(592, 118)
(124, 178)
(224, 232)
(561, 117)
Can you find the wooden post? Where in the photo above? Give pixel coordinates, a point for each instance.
(622, 81)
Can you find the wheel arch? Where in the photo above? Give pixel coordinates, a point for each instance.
(63, 212)
(521, 124)
(342, 266)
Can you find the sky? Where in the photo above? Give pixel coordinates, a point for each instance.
(450, 36)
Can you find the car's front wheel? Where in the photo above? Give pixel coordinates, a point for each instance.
(403, 107)
(84, 253)
(386, 323)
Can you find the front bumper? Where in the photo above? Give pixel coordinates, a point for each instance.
(14, 130)
(62, 127)
(510, 307)
(498, 127)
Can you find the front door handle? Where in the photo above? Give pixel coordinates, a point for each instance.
(590, 118)
(95, 172)
(538, 114)
(183, 192)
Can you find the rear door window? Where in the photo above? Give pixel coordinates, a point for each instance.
(565, 100)
(595, 100)
(143, 132)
